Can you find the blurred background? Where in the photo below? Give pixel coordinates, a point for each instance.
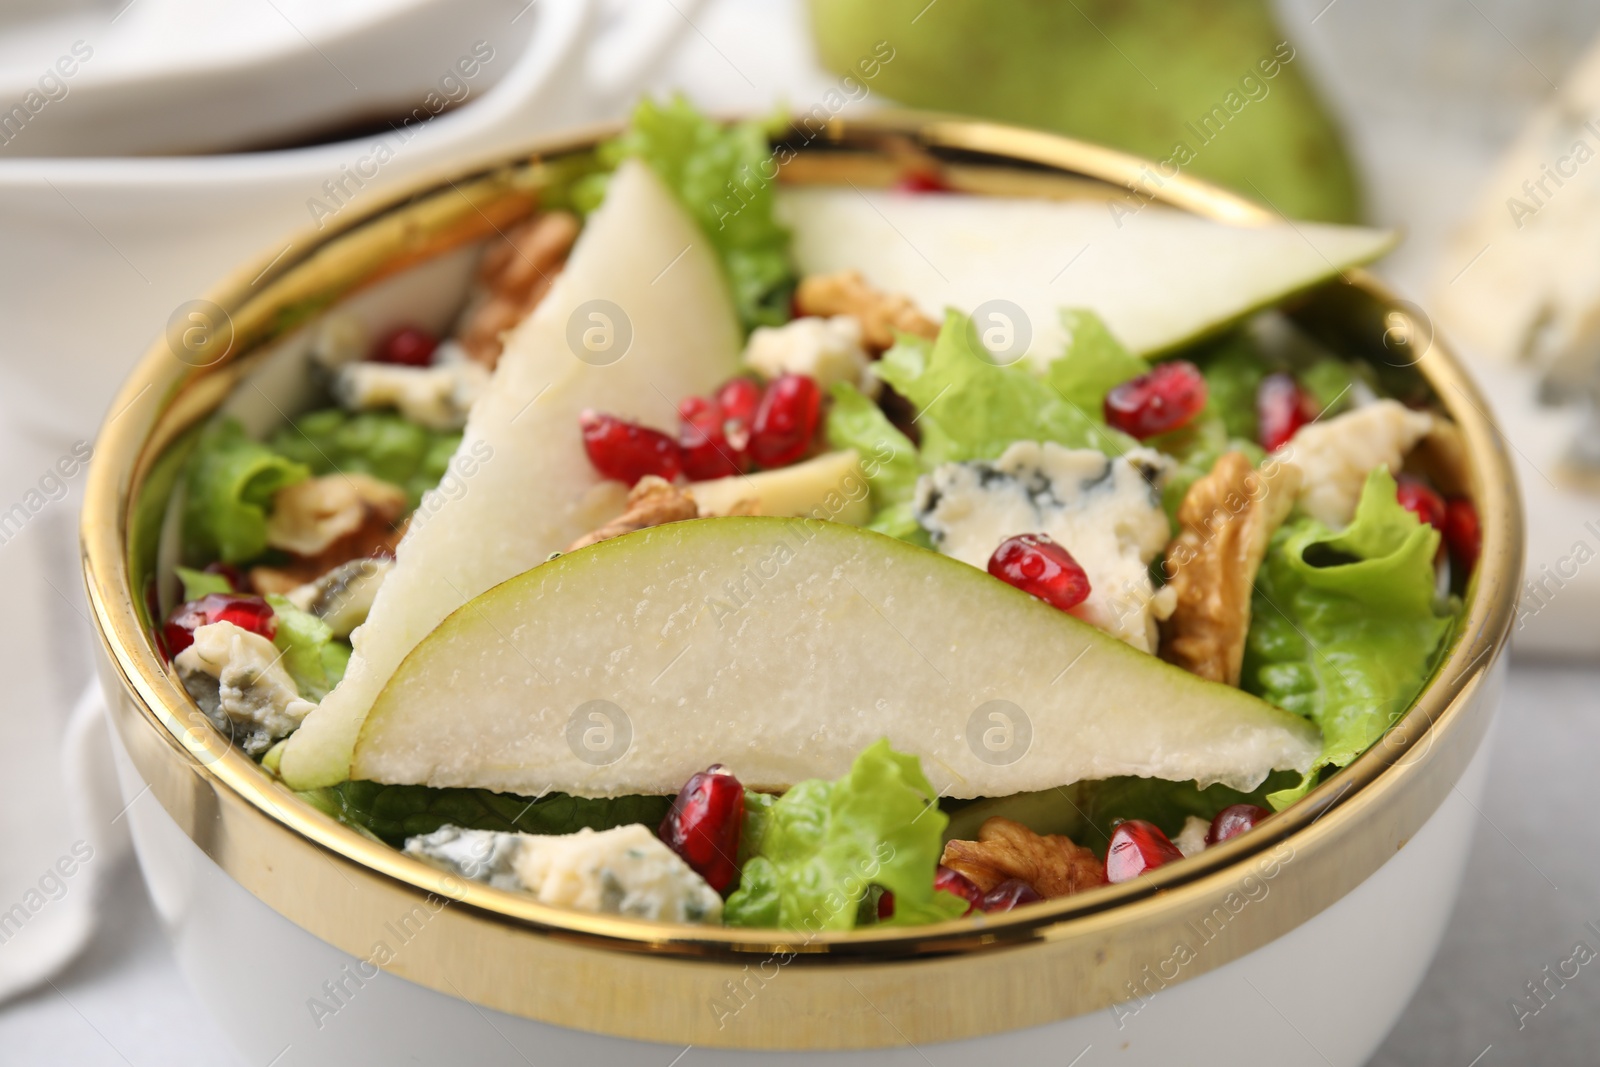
(149, 146)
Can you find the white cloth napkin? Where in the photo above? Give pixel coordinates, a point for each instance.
(65, 864)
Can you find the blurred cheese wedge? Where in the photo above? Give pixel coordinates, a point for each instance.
(1521, 280)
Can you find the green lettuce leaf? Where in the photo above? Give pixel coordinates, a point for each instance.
(1233, 367)
(888, 457)
(1093, 364)
(814, 852)
(1331, 384)
(197, 584)
(383, 444)
(229, 488)
(393, 813)
(312, 656)
(970, 408)
(724, 176)
(1345, 628)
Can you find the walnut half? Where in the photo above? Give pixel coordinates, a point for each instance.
(1052, 864)
(1226, 520)
(652, 502)
(882, 315)
(517, 273)
(309, 516)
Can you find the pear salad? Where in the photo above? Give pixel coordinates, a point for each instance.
(713, 550)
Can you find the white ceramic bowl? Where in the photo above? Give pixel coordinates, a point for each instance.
(1300, 942)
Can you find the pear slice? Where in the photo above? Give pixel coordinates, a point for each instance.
(1159, 278)
(831, 486)
(782, 648)
(521, 486)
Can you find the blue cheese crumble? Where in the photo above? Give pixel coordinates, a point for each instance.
(236, 678)
(622, 871)
(1105, 511)
(438, 396)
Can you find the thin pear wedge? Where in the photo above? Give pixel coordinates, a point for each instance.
(639, 317)
(782, 648)
(1159, 278)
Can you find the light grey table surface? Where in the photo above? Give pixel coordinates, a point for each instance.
(1431, 90)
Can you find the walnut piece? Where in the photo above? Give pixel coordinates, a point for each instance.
(1052, 864)
(309, 516)
(1225, 520)
(882, 315)
(376, 538)
(516, 274)
(652, 502)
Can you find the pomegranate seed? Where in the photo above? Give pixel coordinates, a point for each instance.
(1462, 533)
(627, 451)
(692, 408)
(886, 905)
(785, 421)
(1136, 847)
(237, 580)
(739, 398)
(922, 181)
(409, 346)
(703, 435)
(1282, 407)
(1421, 501)
(1007, 895)
(1233, 820)
(246, 612)
(1039, 567)
(704, 823)
(1165, 398)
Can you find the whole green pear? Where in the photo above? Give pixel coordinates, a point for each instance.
(1212, 88)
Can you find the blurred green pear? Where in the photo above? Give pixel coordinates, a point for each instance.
(1209, 87)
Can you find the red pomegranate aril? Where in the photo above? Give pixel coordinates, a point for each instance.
(1421, 501)
(886, 905)
(922, 181)
(695, 408)
(1282, 407)
(785, 421)
(703, 441)
(1039, 567)
(953, 881)
(626, 451)
(1007, 895)
(408, 346)
(739, 398)
(1136, 847)
(1462, 533)
(703, 825)
(246, 612)
(1165, 398)
(1233, 820)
